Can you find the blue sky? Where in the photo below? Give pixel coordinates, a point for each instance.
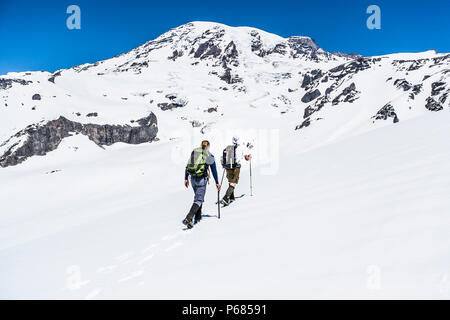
(34, 36)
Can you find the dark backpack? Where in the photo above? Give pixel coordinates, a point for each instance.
(197, 166)
(229, 157)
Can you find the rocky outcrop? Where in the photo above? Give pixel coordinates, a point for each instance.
(36, 96)
(230, 78)
(39, 139)
(7, 83)
(304, 124)
(54, 75)
(386, 112)
(351, 68)
(403, 84)
(175, 54)
(433, 105)
(311, 76)
(437, 87)
(164, 106)
(257, 45)
(349, 94)
(310, 96)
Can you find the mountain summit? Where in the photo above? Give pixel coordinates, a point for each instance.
(203, 74)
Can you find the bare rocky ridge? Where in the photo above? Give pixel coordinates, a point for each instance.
(39, 139)
(388, 111)
(316, 81)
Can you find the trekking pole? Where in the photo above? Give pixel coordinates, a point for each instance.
(251, 182)
(218, 194)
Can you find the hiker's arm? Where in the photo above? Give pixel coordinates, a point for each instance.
(186, 176)
(214, 172)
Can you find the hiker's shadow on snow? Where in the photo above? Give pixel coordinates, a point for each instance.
(203, 216)
(208, 216)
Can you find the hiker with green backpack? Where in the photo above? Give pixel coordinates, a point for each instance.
(197, 168)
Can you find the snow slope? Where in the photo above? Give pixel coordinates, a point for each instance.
(378, 200)
(351, 173)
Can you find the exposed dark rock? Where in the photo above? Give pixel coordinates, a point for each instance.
(54, 75)
(308, 111)
(139, 65)
(415, 65)
(171, 96)
(386, 112)
(53, 171)
(36, 96)
(402, 83)
(444, 97)
(7, 83)
(437, 87)
(310, 96)
(279, 48)
(229, 78)
(207, 49)
(43, 138)
(311, 76)
(307, 48)
(415, 90)
(352, 68)
(349, 94)
(230, 55)
(92, 114)
(176, 54)
(433, 105)
(304, 124)
(348, 55)
(210, 110)
(169, 106)
(196, 124)
(257, 44)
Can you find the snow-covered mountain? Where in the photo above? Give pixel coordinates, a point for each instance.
(210, 73)
(350, 171)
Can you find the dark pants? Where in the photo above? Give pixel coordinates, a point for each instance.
(233, 176)
(199, 186)
(233, 179)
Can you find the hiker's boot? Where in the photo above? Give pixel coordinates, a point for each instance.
(226, 199)
(232, 198)
(188, 220)
(198, 215)
(188, 223)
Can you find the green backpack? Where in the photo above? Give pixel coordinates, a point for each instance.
(197, 166)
